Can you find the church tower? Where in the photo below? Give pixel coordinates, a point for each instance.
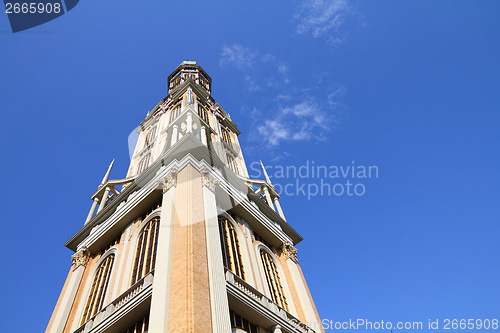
(186, 242)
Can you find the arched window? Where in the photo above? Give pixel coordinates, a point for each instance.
(145, 256)
(150, 136)
(95, 301)
(232, 164)
(143, 164)
(176, 111)
(273, 280)
(231, 253)
(203, 113)
(226, 137)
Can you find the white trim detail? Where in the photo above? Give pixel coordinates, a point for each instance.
(127, 274)
(247, 265)
(160, 300)
(88, 283)
(261, 247)
(67, 300)
(218, 296)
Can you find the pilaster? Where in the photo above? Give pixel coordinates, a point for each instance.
(160, 300)
(80, 260)
(218, 296)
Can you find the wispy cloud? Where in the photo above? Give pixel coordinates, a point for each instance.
(253, 63)
(237, 56)
(302, 121)
(323, 18)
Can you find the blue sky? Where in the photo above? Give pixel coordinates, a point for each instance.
(412, 87)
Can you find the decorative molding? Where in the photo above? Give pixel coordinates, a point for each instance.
(289, 251)
(81, 258)
(261, 304)
(208, 180)
(170, 180)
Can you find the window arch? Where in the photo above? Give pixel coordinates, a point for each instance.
(226, 137)
(145, 256)
(95, 300)
(144, 163)
(149, 137)
(231, 252)
(203, 113)
(176, 111)
(233, 165)
(273, 280)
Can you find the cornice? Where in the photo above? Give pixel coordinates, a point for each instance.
(189, 150)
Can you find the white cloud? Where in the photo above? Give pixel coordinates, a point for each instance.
(237, 56)
(268, 57)
(282, 69)
(250, 84)
(282, 97)
(335, 95)
(254, 63)
(274, 131)
(302, 109)
(299, 122)
(323, 18)
(309, 119)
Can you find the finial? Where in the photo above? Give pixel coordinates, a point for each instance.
(105, 179)
(265, 173)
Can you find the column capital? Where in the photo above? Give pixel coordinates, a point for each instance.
(208, 180)
(170, 180)
(289, 251)
(81, 257)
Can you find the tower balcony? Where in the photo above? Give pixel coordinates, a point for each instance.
(260, 309)
(115, 315)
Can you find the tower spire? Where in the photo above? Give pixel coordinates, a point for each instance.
(105, 179)
(265, 173)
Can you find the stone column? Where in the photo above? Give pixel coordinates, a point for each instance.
(305, 301)
(203, 135)
(80, 260)
(276, 329)
(175, 131)
(217, 281)
(104, 199)
(160, 300)
(278, 207)
(92, 210)
(268, 197)
(189, 123)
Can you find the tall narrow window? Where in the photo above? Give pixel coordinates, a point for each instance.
(175, 81)
(203, 113)
(145, 257)
(232, 164)
(143, 164)
(226, 137)
(95, 301)
(273, 280)
(176, 111)
(150, 136)
(231, 253)
(238, 321)
(141, 326)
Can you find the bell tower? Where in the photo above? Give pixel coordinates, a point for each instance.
(186, 242)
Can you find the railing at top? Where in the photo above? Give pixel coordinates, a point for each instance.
(266, 192)
(266, 302)
(120, 301)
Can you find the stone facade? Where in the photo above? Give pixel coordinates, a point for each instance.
(188, 174)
